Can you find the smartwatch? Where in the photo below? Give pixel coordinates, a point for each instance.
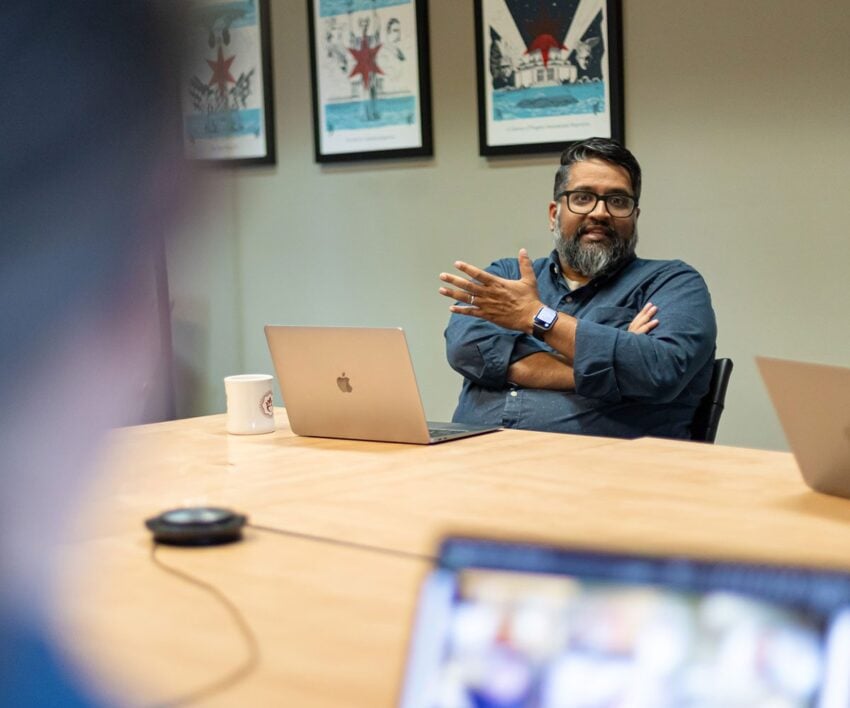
(545, 318)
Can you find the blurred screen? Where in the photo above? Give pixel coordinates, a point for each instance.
(520, 639)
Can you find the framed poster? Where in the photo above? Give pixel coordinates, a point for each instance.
(227, 87)
(371, 81)
(549, 73)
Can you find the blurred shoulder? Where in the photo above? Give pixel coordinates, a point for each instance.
(664, 268)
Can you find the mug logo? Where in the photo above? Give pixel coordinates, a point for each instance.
(344, 383)
(267, 404)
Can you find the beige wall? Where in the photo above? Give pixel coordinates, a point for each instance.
(738, 112)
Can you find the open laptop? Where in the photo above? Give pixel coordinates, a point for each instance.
(354, 383)
(522, 625)
(813, 405)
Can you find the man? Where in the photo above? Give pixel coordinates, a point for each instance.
(368, 40)
(570, 343)
(392, 60)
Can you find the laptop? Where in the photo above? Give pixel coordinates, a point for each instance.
(813, 405)
(529, 625)
(354, 383)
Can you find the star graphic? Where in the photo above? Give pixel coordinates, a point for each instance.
(544, 43)
(366, 65)
(221, 71)
(543, 23)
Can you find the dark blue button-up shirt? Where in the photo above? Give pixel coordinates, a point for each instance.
(626, 385)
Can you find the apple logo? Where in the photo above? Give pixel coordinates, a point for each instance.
(343, 383)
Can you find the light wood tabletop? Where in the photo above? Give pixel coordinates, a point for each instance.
(326, 579)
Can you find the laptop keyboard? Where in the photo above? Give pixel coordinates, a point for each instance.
(442, 432)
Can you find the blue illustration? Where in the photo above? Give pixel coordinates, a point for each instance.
(548, 101)
(327, 8)
(231, 15)
(367, 75)
(549, 62)
(223, 89)
(385, 111)
(223, 124)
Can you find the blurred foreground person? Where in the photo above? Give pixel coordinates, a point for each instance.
(90, 182)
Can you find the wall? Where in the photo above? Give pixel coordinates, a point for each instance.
(737, 111)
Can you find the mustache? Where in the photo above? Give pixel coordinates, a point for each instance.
(605, 228)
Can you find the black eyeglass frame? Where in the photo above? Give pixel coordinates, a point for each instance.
(599, 198)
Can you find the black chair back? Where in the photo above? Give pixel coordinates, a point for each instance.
(707, 415)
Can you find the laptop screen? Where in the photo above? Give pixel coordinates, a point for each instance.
(523, 625)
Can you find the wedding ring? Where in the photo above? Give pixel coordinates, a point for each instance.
(472, 299)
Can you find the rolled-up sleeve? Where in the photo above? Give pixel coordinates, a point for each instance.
(481, 351)
(614, 365)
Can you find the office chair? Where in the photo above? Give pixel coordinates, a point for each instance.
(710, 408)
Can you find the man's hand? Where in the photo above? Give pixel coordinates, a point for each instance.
(643, 321)
(511, 304)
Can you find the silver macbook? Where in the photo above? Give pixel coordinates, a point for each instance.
(354, 383)
(813, 405)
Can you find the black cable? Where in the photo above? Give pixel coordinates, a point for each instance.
(240, 672)
(345, 544)
(253, 658)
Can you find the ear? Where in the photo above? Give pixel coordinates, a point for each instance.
(637, 213)
(553, 208)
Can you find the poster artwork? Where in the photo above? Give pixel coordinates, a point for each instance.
(223, 105)
(547, 71)
(368, 75)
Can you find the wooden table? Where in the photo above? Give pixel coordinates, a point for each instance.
(331, 621)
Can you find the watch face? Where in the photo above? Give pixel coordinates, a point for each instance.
(543, 321)
(546, 317)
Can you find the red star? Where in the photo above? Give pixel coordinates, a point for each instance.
(366, 64)
(544, 43)
(221, 71)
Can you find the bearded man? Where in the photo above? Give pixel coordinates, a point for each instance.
(590, 340)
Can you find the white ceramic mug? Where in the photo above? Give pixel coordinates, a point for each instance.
(249, 404)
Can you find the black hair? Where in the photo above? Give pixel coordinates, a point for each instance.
(605, 149)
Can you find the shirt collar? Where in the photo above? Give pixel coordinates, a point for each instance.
(555, 269)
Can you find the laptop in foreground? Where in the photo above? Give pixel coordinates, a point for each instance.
(528, 625)
(354, 383)
(813, 405)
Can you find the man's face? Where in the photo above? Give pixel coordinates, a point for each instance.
(591, 244)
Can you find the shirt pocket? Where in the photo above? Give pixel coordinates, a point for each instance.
(620, 317)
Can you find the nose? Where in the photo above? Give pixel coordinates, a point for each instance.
(600, 210)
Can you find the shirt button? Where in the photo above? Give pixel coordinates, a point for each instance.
(514, 394)
(569, 299)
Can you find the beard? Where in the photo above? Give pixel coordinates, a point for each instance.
(597, 257)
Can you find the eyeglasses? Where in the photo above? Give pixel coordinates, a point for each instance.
(581, 202)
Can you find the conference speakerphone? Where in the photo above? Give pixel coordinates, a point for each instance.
(197, 526)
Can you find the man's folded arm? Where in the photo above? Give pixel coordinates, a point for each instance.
(613, 365)
(542, 370)
(483, 352)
